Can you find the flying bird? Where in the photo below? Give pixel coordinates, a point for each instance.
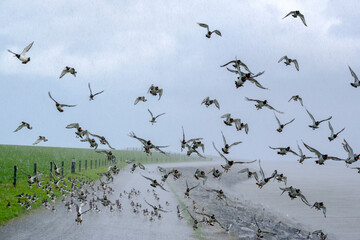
(91, 97)
(153, 119)
(208, 102)
(356, 82)
(288, 61)
(138, 99)
(208, 34)
(66, 70)
(226, 147)
(58, 105)
(22, 56)
(40, 138)
(260, 104)
(281, 126)
(316, 124)
(321, 157)
(154, 90)
(332, 134)
(296, 98)
(23, 124)
(229, 163)
(296, 14)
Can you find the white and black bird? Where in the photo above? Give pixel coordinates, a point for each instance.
(302, 155)
(281, 125)
(22, 56)
(296, 14)
(260, 104)
(209, 33)
(91, 97)
(154, 183)
(316, 124)
(58, 105)
(356, 82)
(23, 124)
(296, 98)
(40, 138)
(332, 134)
(352, 157)
(153, 119)
(288, 61)
(138, 99)
(66, 70)
(208, 102)
(321, 157)
(229, 163)
(154, 90)
(226, 147)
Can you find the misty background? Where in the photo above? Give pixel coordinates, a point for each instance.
(123, 47)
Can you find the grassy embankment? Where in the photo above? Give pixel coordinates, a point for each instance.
(24, 158)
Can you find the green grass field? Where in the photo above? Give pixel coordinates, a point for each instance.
(24, 158)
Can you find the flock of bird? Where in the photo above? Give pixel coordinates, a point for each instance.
(82, 189)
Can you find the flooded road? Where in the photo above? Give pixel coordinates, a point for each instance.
(333, 184)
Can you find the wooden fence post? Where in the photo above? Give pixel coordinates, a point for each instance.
(51, 167)
(35, 172)
(91, 164)
(15, 172)
(79, 165)
(85, 164)
(62, 168)
(72, 167)
(95, 163)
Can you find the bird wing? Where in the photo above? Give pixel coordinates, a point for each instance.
(11, 51)
(311, 116)
(19, 127)
(204, 25)
(89, 87)
(331, 128)
(151, 87)
(220, 153)
(275, 148)
(301, 101)
(233, 71)
(94, 135)
(73, 125)
(257, 83)
(205, 100)
(64, 71)
(303, 198)
(258, 74)
(352, 72)
(26, 49)
(66, 105)
(244, 170)
(137, 100)
(150, 179)
(51, 97)
(289, 122)
(253, 100)
(183, 132)
(302, 18)
(327, 119)
(98, 93)
(284, 57)
(340, 131)
(159, 115)
(296, 64)
(277, 119)
(194, 187)
(217, 104)
(226, 115)
(223, 138)
(190, 214)
(234, 144)
(160, 93)
(152, 116)
(233, 61)
(312, 150)
(141, 166)
(270, 107)
(245, 162)
(217, 32)
(288, 14)
(348, 148)
(162, 189)
(261, 171)
(335, 158)
(37, 141)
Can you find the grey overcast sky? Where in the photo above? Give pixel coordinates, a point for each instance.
(123, 47)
